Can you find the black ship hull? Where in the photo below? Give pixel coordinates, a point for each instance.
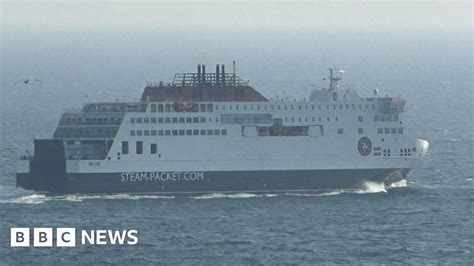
(206, 182)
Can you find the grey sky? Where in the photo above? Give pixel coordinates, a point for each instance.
(44, 15)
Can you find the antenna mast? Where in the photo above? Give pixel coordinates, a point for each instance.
(335, 75)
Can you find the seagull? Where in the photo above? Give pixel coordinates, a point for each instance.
(27, 81)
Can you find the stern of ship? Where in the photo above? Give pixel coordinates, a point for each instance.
(46, 170)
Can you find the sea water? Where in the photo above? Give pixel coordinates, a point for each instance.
(427, 218)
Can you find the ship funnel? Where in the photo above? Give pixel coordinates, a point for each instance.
(203, 75)
(223, 75)
(199, 74)
(217, 74)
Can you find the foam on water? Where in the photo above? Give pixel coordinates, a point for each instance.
(27, 199)
(372, 187)
(232, 195)
(41, 198)
(401, 183)
(10, 194)
(330, 193)
(367, 187)
(80, 197)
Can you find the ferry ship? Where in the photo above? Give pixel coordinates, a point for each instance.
(212, 132)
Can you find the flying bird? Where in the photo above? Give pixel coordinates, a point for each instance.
(27, 81)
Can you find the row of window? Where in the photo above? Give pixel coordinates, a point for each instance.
(203, 132)
(139, 147)
(189, 120)
(359, 131)
(378, 152)
(241, 119)
(194, 107)
(392, 130)
(388, 152)
(250, 120)
(306, 119)
(179, 132)
(406, 152)
(223, 132)
(89, 132)
(385, 118)
(168, 120)
(181, 107)
(75, 120)
(298, 107)
(278, 131)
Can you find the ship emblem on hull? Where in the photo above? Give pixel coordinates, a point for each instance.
(364, 146)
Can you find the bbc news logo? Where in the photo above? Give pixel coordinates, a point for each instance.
(66, 237)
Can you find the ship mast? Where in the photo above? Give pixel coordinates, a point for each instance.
(335, 75)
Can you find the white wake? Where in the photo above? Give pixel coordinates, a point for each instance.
(232, 196)
(317, 194)
(10, 194)
(372, 187)
(401, 183)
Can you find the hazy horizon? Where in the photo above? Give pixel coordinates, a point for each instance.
(236, 16)
(277, 46)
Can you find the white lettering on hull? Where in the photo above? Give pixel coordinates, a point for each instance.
(161, 176)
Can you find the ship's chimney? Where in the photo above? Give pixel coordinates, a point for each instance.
(199, 74)
(233, 75)
(217, 74)
(203, 76)
(223, 75)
